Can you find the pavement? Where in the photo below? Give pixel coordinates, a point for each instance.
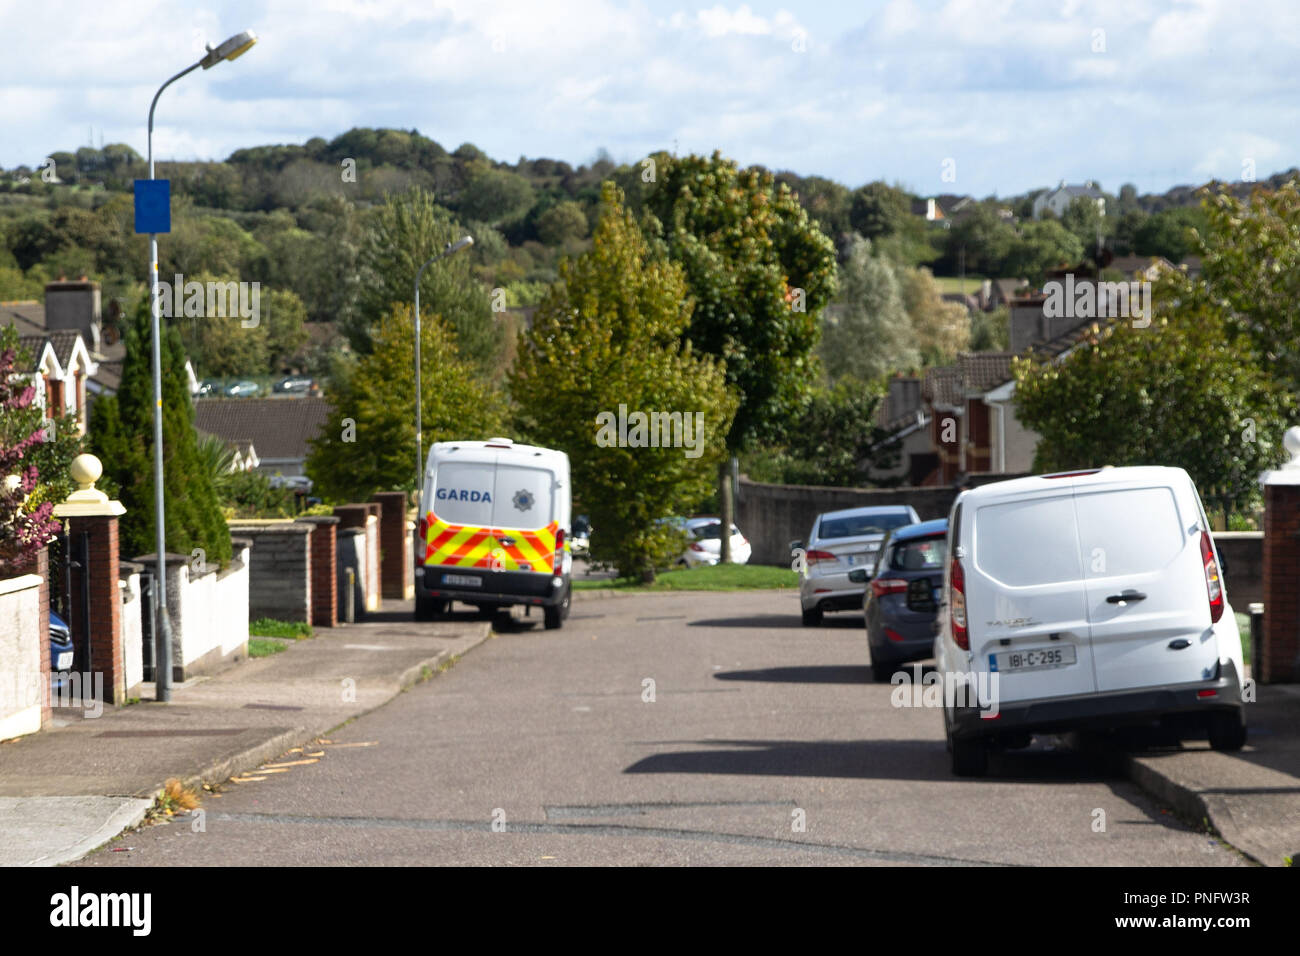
(72, 788)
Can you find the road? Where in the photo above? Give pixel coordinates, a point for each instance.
(765, 743)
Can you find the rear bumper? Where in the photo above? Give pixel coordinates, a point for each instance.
(1104, 711)
(499, 588)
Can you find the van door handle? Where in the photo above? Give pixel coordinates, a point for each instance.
(1179, 644)
(1129, 595)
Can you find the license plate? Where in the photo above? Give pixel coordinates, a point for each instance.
(1033, 659)
(864, 558)
(65, 661)
(463, 580)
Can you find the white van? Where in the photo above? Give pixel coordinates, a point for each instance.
(494, 529)
(1088, 599)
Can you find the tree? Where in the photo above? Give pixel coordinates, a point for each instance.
(366, 444)
(868, 333)
(607, 343)
(1084, 218)
(1176, 393)
(985, 239)
(834, 440)
(121, 435)
(495, 196)
(407, 230)
(1250, 271)
(941, 328)
(1042, 245)
(563, 221)
(760, 273)
(26, 524)
(1167, 233)
(877, 210)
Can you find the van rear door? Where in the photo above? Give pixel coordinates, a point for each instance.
(1145, 541)
(524, 511)
(1026, 611)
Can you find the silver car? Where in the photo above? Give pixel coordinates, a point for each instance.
(839, 542)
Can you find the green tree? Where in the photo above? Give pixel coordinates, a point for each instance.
(985, 238)
(608, 337)
(564, 221)
(1042, 245)
(121, 435)
(495, 196)
(868, 333)
(877, 210)
(1168, 233)
(1084, 218)
(367, 443)
(941, 328)
(1176, 393)
(760, 273)
(407, 230)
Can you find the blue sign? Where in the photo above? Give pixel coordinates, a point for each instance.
(153, 205)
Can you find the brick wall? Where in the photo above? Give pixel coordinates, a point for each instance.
(1281, 594)
(396, 569)
(324, 573)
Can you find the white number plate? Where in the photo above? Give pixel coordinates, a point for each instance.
(65, 661)
(463, 580)
(1033, 659)
(859, 559)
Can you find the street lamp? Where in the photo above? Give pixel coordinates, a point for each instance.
(451, 248)
(231, 49)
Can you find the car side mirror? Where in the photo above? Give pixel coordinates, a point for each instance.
(858, 576)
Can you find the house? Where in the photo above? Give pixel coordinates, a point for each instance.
(62, 364)
(995, 293)
(1058, 200)
(279, 429)
(79, 373)
(903, 415)
(1148, 268)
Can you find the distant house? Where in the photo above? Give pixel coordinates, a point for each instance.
(278, 428)
(1058, 200)
(1149, 268)
(79, 373)
(999, 292)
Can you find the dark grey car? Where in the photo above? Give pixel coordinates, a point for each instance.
(902, 600)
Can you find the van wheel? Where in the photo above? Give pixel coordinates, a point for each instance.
(812, 618)
(970, 757)
(553, 617)
(1227, 730)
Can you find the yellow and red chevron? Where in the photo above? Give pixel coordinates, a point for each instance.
(469, 547)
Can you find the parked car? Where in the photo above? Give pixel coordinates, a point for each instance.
(902, 595)
(242, 389)
(293, 384)
(839, 542)
(208, 388)
(62, 655)
(299, 483)
(704, 543)
(1096, 601)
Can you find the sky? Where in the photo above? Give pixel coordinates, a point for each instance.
(965, 96)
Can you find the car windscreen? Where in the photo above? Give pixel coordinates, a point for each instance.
(919, 554)
(854, 526)
(463, 492)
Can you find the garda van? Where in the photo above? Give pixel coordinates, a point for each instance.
(1089, 599)
(494, 529)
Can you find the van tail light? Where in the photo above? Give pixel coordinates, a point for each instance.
(812, 557)
(1213, 584)
(957, 610)
(696, 546)
(882, 586)
(557, 566)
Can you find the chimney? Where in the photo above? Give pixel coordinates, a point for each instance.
(75, 306)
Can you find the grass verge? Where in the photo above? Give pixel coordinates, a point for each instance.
(1243, 625)
(265, 646)
(722, 577)
(269, 627)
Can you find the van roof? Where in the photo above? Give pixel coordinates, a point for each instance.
(450, 449)
(1083, 478)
